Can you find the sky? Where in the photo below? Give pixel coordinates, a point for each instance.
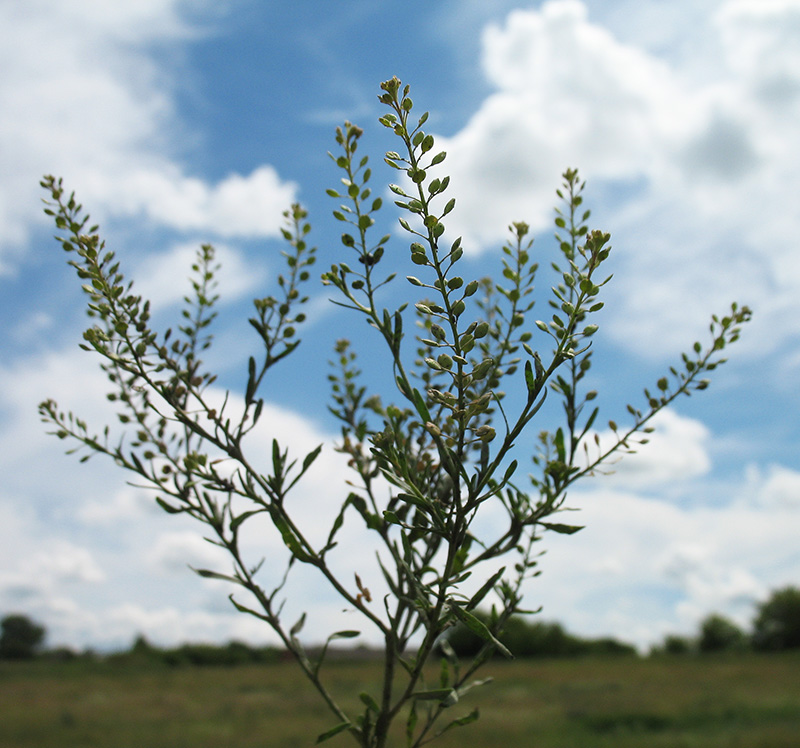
(181, 123)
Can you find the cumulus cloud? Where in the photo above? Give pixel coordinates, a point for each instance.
(237, 206)
(702, 148)
(656, 556)
(165, 625)
(705, 156)
(91, 91)
(645, 566)
(125, 505)
(155, 277)
(568, 94)
(661, 549)
(130, 550)
(776, 487)
(676, 451)
(47, 571)
(177, 550)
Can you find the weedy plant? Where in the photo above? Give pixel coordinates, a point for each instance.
(427, 466)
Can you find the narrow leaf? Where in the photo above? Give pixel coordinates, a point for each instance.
(476, 626)
(344, 635)
(438, 694)
(369, 702)
(297, 628)
(559, 444)
(168, 507)
(461, 721)
(251, 380)
(530, 381)
(341, 727)
(208, 574)
(277, 463)
(236, 521)
(510, 471)
(290, 540)
(422, 409)
(244, 609)
(561, 529)
(310, 457)
(485, 589)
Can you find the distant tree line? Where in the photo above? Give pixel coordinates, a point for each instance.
(225, 655)
(536, 639)
(776, 627)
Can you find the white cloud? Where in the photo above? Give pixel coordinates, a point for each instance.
(676, 451)
(644, 567)
(779, 488)
(760, 41)
(125, 505)
(91, 88)
(64, 562)
(703, 148)
(568, 94)
(155, 277)
(178, 549)
(238, 205)
(126, 545)
(167, 626)
(44, 572)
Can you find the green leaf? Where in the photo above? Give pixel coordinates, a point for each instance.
(561, 529)
(461, 721)
(437, 694)
(290, 540)
(341, 727)
(165, 506)
(208, 574)
(558, 441)
(369, 702)
(590, 421)
(310, 457)
(510, 471)
(411, 724)
(236, 521)
(485, 589)
(422, 409)
(244, 609)
(344, 635)
(277, 461)
(476, 626)
(297, 628)
(530, 381)
(251, 380)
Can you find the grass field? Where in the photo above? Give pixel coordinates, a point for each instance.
(748, 701)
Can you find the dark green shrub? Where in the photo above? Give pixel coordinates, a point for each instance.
(777, 623)
(718, 634)
(20, 638)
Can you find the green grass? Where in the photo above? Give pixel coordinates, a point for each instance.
(749, 701)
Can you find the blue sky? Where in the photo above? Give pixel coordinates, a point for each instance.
(180, 123)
